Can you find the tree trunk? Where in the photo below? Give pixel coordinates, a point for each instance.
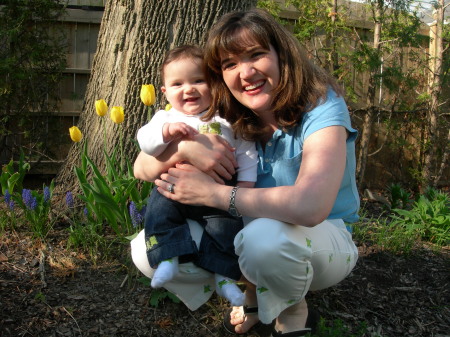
(435, 89)
(133, 39)
(371, 104)
(443, 165)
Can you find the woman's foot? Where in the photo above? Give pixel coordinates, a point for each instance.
(243, 321)
(293, 318)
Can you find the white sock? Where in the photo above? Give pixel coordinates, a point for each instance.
(166, 271)
(227, 288)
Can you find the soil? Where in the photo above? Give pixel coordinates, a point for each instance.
(46, 290)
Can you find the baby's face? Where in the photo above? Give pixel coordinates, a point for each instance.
(185, 86)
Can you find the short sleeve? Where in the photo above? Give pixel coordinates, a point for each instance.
(333, 111)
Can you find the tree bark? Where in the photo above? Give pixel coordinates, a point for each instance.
(133, 39)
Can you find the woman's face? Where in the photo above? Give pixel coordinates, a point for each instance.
(252, 76)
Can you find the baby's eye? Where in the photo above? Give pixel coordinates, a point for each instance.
(200, 80)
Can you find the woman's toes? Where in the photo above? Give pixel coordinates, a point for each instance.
(237, 315)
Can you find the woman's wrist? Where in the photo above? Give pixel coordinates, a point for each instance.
(220, 197)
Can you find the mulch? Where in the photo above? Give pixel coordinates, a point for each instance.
(46, 290)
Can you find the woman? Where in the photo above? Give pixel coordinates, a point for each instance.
(265, 86)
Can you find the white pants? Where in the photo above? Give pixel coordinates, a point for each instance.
(284, 261)
(193, 285)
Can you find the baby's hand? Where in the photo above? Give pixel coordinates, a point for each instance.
(173, 131)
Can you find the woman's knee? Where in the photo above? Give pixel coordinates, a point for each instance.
(266, 242)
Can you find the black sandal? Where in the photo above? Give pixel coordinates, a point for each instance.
(311, 326)
(261, 329)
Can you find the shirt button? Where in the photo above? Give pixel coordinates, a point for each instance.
(269, 144)
(267, 160)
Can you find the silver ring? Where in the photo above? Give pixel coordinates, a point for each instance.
(171, 188)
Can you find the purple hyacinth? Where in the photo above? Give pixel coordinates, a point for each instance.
(33, 203)
(7, 196)
(69, 200)
(136, 217)
(86, 212)
(11, 205)
(46, 194)
(28, 199)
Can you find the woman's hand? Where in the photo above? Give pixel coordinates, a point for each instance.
(209, 153)
(192, 186)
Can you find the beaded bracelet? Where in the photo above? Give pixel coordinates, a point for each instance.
(232, 205)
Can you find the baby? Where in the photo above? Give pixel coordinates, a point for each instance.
(167, 233)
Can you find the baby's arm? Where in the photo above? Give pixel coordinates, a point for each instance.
(172, 131)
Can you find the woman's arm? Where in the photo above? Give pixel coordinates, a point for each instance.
(210, 153)
(306, 203)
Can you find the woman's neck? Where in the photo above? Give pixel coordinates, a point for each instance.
(268, 134)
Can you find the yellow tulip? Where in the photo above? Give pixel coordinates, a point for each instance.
(75, 134)
(101, 107)
(148, 96)
(117, 114)
(168, 107)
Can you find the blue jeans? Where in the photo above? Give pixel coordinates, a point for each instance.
(167, 235)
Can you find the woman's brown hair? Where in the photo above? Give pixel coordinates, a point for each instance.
(302, 85)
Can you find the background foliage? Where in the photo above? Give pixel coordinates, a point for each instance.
(32, 57)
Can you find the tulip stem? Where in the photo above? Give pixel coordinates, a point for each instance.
(150, 112)
(121, 147)
(104, 134)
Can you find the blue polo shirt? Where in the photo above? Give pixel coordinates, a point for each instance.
(280, 162)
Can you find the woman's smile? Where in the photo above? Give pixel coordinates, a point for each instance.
(252, 87)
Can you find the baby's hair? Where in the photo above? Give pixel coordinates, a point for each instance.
(186, 51)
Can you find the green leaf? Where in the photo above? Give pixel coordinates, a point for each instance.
(111, 211)
(131, 237)
(145, 189)
(97, 172)
(82, 180)
(12, 181)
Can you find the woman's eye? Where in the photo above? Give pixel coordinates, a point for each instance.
(227, 66)
(257, 54)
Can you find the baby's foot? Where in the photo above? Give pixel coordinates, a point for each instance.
(227, 288)
(165, 272)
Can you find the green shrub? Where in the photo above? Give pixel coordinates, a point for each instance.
(427, 220)
(398, 196)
